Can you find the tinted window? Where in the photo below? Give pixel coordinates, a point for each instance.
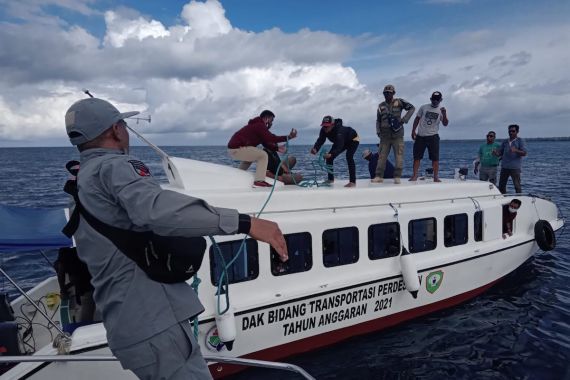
(340, 246)
(422, 235)
(455, 230)
(246, 266)
(300, 255)
(478, 225)
(383, 240)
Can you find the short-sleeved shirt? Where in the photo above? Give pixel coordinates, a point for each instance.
(429, 120)
(486, 156)
(512, 160)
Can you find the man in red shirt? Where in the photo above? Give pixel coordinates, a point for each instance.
(243, 145)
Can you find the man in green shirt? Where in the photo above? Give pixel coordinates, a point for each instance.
(487, 162)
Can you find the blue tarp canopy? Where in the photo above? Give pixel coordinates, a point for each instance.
(25, 229)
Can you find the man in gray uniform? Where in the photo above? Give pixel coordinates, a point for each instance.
(390, 129)
(146, 321)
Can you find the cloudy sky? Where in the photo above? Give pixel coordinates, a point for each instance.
(203, 68)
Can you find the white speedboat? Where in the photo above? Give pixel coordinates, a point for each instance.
(361, 259)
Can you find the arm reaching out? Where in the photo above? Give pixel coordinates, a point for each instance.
(269, 232)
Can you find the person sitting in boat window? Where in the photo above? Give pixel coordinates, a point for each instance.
(283, 171)
(372, 158)
(115, 188)
(343, 138)
(243, 145)
(509, 215)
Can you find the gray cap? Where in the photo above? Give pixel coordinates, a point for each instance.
(88, 118)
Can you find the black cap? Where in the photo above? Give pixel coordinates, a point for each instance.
(327, 121)
(436, 96)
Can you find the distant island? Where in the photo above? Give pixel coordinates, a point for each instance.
(567, 138)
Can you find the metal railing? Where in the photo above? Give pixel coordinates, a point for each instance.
(107, 358)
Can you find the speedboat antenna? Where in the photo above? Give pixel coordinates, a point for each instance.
(154, 147)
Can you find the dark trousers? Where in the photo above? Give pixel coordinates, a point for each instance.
(515, 174)
(350, 150)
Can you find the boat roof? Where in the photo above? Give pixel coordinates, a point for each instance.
(224, 186)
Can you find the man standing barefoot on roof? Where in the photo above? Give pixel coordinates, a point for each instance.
(428, 118)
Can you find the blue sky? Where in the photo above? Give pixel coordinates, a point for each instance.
(203, 68)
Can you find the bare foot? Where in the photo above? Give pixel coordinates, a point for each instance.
(414, 178)
(350, 184)
(435, 179)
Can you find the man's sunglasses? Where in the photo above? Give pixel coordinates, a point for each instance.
(513, 131)
(493, 136)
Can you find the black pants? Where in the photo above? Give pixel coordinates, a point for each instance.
(515, 174)
(350, 150)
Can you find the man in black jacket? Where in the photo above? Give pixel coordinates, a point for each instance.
(343, 138)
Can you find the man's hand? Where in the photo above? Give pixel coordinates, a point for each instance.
(327, 156)
(282, 149)
(313, 151)
(414, 134)
(476, 170)
(443, 110)
(269, 232)
(514, 150)
(293, 133)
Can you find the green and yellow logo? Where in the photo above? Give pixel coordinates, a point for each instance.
(433, 281)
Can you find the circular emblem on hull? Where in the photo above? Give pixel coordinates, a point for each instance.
(433, 281)
(213, 341)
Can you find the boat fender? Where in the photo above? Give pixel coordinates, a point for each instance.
(226, 323)
(544, 235)
(410, 272)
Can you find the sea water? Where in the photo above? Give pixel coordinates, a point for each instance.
(519, 329)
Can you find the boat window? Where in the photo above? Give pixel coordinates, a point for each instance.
(244, 268)
(422, 235)
(455, 230)
(478, 225)
(300, 247)
(383, 240)
(340, 246)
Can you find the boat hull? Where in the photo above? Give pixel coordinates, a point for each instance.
(377, 306)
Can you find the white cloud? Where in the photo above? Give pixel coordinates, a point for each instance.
(120, 29)
(206, 19)
(202, 79)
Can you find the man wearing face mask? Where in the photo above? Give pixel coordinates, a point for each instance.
(509, 215)
(243, 145)
(390, 129)
(428, 118)
(144, 318)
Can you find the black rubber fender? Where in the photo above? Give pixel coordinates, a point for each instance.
(544, 235)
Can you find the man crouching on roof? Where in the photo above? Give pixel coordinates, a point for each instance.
(143, 317)
(243, 145)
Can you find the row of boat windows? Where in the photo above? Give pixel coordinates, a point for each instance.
(341, 246)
